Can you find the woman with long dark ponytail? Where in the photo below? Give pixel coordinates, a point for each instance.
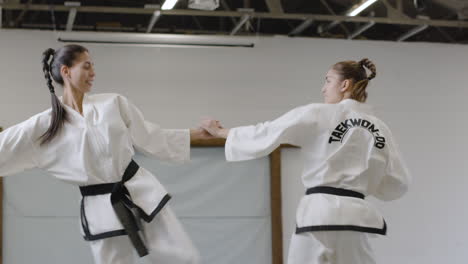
(348, 154)
(59, 114)
(89, 141)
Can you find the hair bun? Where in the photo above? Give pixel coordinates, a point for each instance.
(366, 63)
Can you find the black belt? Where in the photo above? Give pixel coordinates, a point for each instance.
(123, 205)
(335, 191)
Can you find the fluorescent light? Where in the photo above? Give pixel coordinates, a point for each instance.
(360, 8)
(203, 4)
(168, 4)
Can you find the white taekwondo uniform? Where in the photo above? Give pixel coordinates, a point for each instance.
(96, 148)
(348, 154)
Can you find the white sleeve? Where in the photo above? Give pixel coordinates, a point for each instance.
(395, 183)
(250, 142)
(16, 150)
(149, 138)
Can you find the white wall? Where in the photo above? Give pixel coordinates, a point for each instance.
(420, 91)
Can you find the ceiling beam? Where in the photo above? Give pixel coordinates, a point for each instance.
(71, 14)
(360, 30)
(412, 32)
(20, 17)
(330, 10)
(353, 11)
(393, 12)
(1, 11)
(299, 29)
(154, 17)
(399, 5)
(262, 15)
(446, 35)
(274, 6)
(243, 20)
(226, 7)
(130, 29)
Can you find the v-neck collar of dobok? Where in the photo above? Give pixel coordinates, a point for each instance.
(361, 107)
(87, 109)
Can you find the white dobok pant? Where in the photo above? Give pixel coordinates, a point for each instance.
(166, 241)
(330, 247)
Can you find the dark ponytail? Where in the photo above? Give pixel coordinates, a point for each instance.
(59, 114)
(52, 61)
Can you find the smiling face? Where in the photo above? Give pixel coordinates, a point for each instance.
(80, 75)
(335, 87)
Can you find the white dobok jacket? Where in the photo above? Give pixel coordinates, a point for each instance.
(347, 153)
(95, 148)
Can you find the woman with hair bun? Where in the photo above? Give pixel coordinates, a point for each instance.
(348, 154)
(89, 141)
